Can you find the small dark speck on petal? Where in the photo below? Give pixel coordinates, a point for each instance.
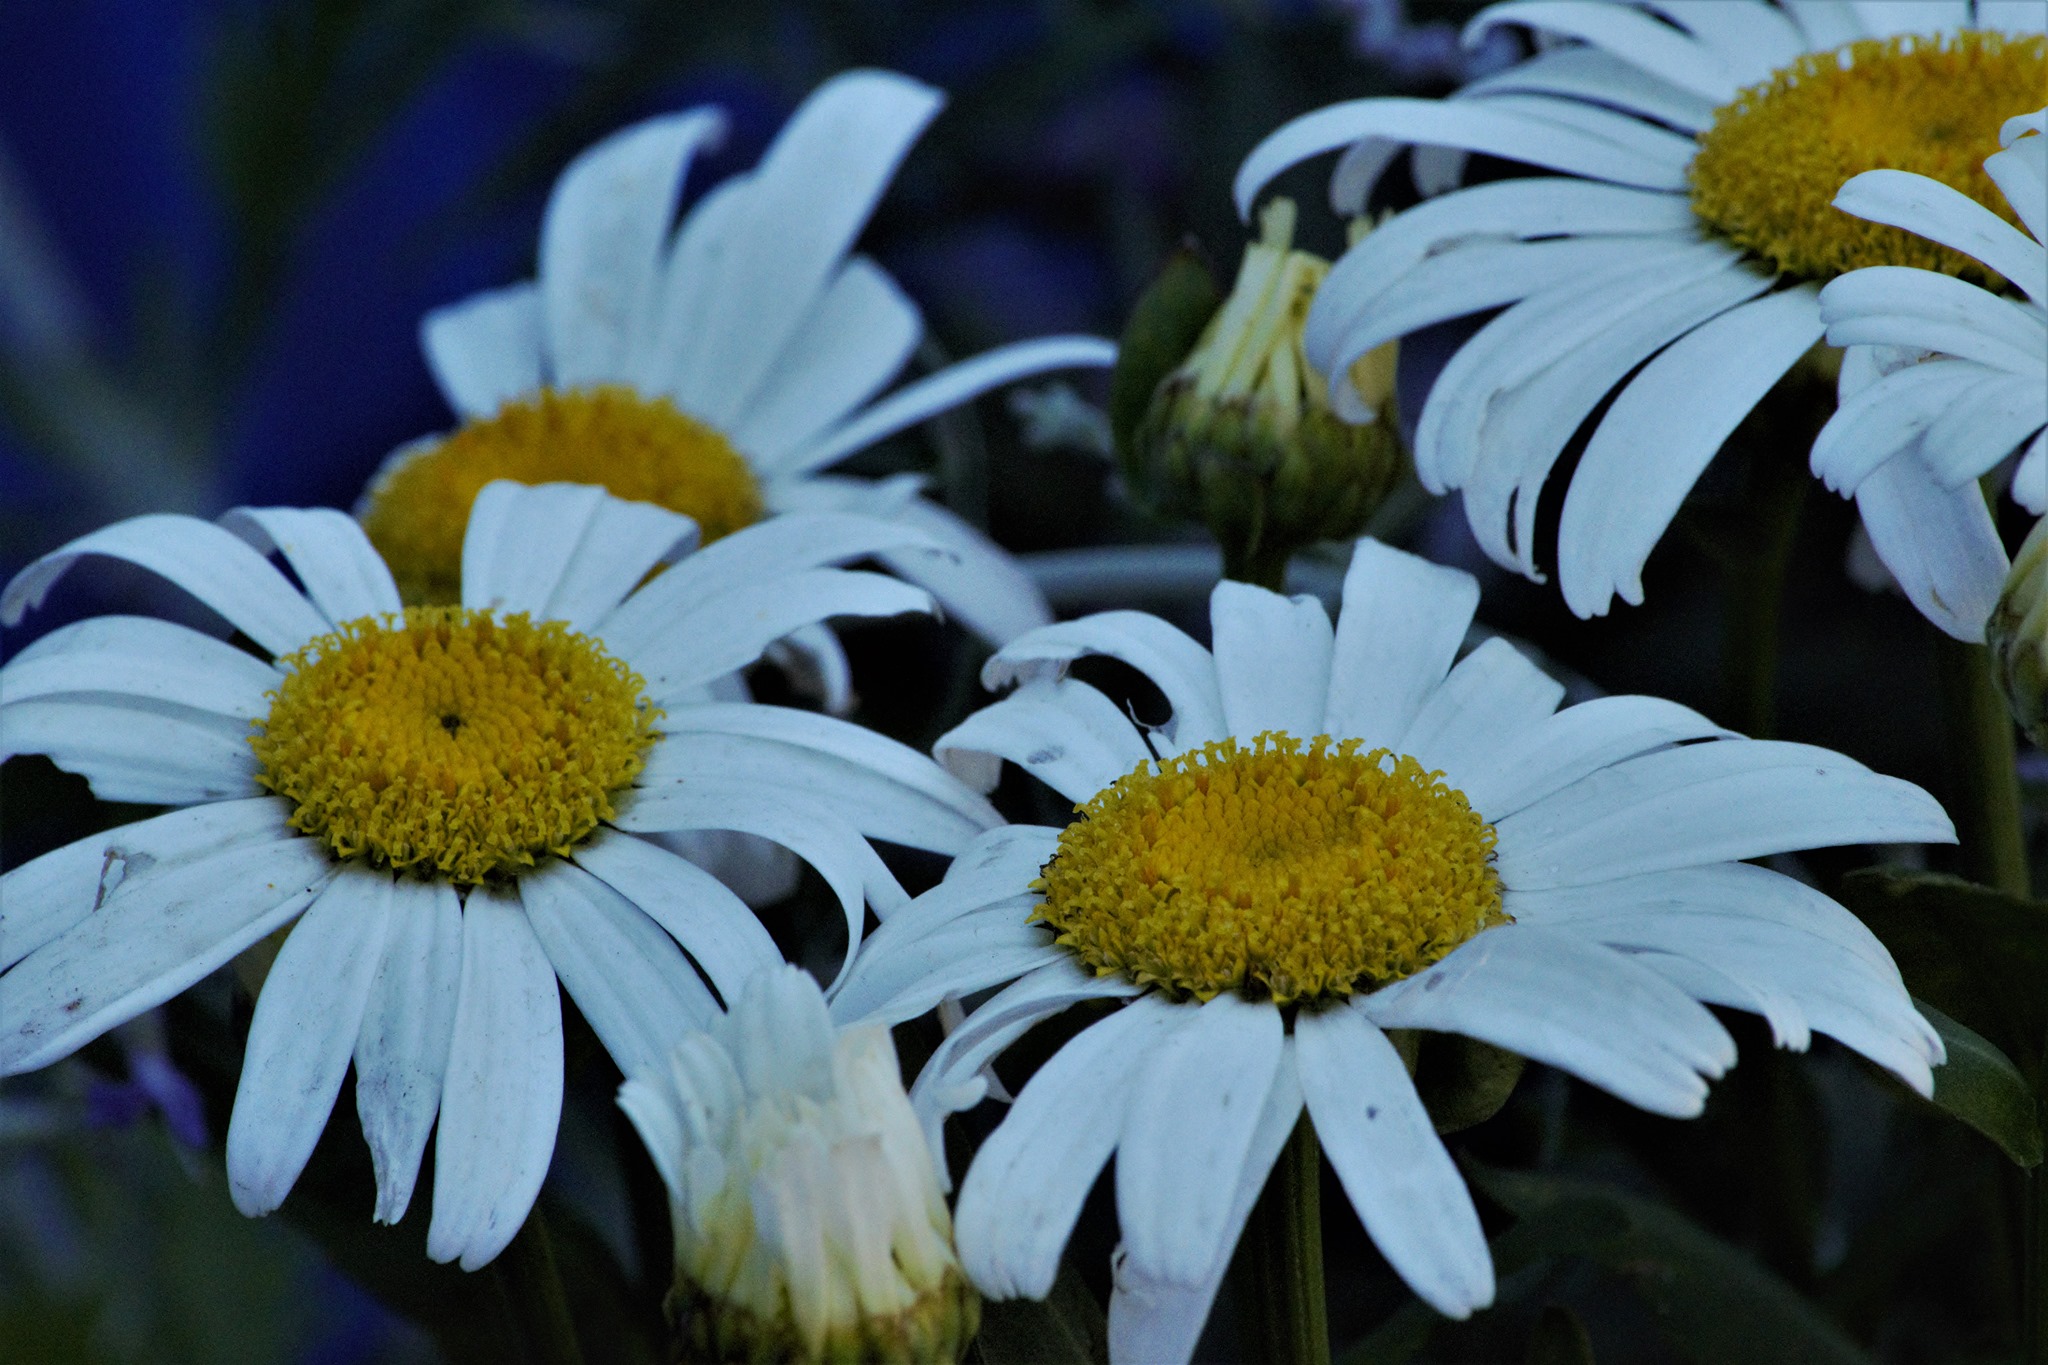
(73, 1007)
(1039, 756)
(1372, 1111)
(1432, 981)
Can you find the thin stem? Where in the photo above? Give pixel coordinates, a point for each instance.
(1756, 591)
(2034, 1264)
(1986, 805)
(534, 1301)
(1284, 1242)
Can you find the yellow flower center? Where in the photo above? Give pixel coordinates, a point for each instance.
(453, 743)
(1290, 870)
(1768, 170)
(641, 449)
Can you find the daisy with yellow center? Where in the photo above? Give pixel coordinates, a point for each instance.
(1340, 832)
(460, 806)
(1675, 262)
(1942, 380)
(714, 366)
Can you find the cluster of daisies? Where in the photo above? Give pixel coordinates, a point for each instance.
(489, 738)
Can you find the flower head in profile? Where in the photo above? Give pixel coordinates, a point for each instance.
(1337, 833)
(458, 805)
(808, 1221)
(1675, 259)
(1943, 380)
(714, 366)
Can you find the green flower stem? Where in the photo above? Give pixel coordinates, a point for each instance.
(1986, 806)
(1284, 1246)
(2034, 1264)
(1756, 591)
(534, 1302)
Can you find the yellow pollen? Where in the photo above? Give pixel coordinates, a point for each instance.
(452, 743)
(1767, 172)
(641, 449)
(1287, 870)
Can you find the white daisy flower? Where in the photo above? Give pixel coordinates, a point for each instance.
(808, 1220)
(1339, 833)
(1942, 380)
(456, 805)
(1677, 257)
(715, 366)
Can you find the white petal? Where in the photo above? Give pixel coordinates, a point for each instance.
(1941, 544)
(1883, 18)
(502, 1100)
(716, 637)
(601, 241)
(1175, 663)
(1021, 1196)
(140, 656)
(143, 945)
(519, 542)
(1884, 420)
(1558, 999)
(1974, 436)
(402, 1050)
(1153, 1320)
(747, 269)
(1826, 24)
(1380, 1141)
(1272, 660)
(2011, 16)
(1493, 697)
(859, 337)
(46, 896)
(949, 388)
(1931, 209)
(1538, 206)
(813, 829)
(1901, 306)
(891, 791)
(1589, 74)
(1708, 803)
(712, 924)
(300, 1038)
(620, 544)
(1188, 1135)
(2030, 478)
(1576, 741)
(135, 749)
(1400, 626)
(1751, 37)
(341, 571)
(1637, 136)
(213, 565)
(2021, 173)
(916, 960)
(1682, 406)
(486, 350)
(944, 1086)
(631, 981)
(1065, 733)
(1468, 125)
(1629, 34)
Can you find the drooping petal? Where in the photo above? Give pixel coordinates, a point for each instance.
(135, 749)
(1895, 305)
(1885, 419)
(1372, 1126)
(1941, 544)
(1493, 696)
(502, 1100)
(342, 572)
(487, 349)
(149, 939)
(1576, 741)
(214, 565)
(1629, 34)
(1272, 660)
(920, 963)
(1188, 1135)
(1400, 626)
(1065, 733)
(631, 981)
(1931, 209)
(1175, 663)
(711, 923)
(300, 1038)
(141, 657)
(1021, 1196)
(2021, 173)
(402, 1050)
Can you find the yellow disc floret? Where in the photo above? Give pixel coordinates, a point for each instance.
(452, 743)
(1287, 870)
(1768, 170)
(640, 449)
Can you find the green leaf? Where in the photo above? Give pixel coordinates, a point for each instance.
(1977, 955)
(1463, 1081)
(1066, 1327)
(1165, 323)
(1713, 1302)
(1980, 1085)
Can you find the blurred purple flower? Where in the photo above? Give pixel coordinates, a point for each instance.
(1423, 54)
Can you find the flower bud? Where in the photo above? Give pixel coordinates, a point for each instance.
(806, 1208)
(1241, 434)
(2018, 636)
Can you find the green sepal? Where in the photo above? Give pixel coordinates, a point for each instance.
(1977, 955)
(1463, 1081)
(1980, 1085)
(1066, 1327)
(1164, 326)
